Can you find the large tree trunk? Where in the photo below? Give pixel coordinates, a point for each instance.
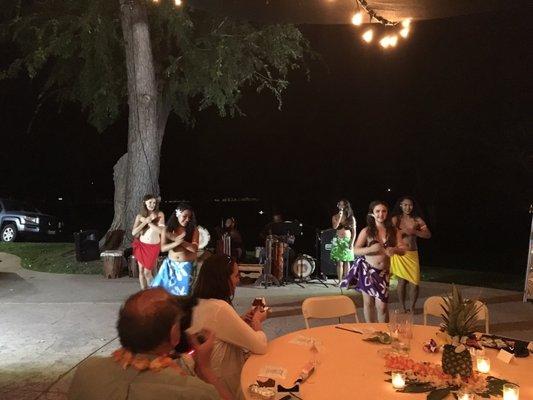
(147, 117)
(119, 203)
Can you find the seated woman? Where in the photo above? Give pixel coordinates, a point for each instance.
(235, 335)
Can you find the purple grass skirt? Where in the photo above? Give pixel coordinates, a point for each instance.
(367, 279)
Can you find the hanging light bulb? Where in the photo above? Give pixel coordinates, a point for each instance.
(406, 22)
(393, 40)
(177, 2)
(385, 42)
(404, 33)
(357, 18)
(368, 35)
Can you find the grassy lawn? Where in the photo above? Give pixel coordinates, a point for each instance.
(51, 257)
(491, 279)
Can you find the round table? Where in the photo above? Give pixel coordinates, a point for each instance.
(350, 367)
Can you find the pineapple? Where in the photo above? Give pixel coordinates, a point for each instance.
(459, 319)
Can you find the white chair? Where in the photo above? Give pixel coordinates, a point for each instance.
(328, 307)
(433, 306)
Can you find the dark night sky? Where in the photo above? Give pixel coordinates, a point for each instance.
(446, 116)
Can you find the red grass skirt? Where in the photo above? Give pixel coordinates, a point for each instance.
(145, 253)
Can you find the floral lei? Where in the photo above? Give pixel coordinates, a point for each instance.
(432, 374)
(429, 377)
(126, 358)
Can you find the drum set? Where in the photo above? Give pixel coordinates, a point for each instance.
(281, 265)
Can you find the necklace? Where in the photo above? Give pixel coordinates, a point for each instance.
(126, 358)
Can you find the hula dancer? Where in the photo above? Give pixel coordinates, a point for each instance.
(147, 229)
(342, 245)
(370, 271)
(180, 239)
(406, 267)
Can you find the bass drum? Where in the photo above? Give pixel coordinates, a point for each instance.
(303, 266)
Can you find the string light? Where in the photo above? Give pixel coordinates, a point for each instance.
(357, 18)
(394, 29)
(368, 35)
(385, 42)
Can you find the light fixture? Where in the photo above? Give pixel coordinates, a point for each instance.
(406, 22)
(385, 42)
(392, 30)
(177, 2)
(404, 33)
(368, 36)
(357, 18)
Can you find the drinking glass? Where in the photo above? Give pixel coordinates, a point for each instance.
(401, 327)
(393, 323)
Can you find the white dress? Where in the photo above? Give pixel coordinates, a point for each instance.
(234, 338)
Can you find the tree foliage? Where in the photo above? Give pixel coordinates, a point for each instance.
(76, 47)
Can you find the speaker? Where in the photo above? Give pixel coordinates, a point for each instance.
(86, 244)
(327, 266)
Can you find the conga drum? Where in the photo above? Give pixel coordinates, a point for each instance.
(277, 250)
(113, 263)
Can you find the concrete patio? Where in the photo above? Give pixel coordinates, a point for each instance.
(51, 322)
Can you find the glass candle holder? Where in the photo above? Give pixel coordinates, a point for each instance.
(398, 380)
(510, 391)
(483, 364)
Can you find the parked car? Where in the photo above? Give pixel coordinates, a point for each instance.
(20, 219)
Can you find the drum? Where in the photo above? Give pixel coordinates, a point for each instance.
(275, 250)
(303, 266)
(113, 263)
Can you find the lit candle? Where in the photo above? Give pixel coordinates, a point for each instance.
(483, 364)
(466, 396)
(398, 380)
(510, 391)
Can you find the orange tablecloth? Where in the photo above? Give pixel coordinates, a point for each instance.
(351, 368)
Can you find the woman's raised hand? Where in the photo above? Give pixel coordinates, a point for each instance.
(259, 315)
(247, 317)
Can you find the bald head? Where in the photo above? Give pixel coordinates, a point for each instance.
(146, 318)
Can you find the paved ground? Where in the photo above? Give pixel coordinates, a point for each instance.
(51, 322)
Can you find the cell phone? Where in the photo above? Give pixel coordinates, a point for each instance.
(259, 302)
(201, 338)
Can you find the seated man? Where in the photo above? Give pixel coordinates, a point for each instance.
(149, 329)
